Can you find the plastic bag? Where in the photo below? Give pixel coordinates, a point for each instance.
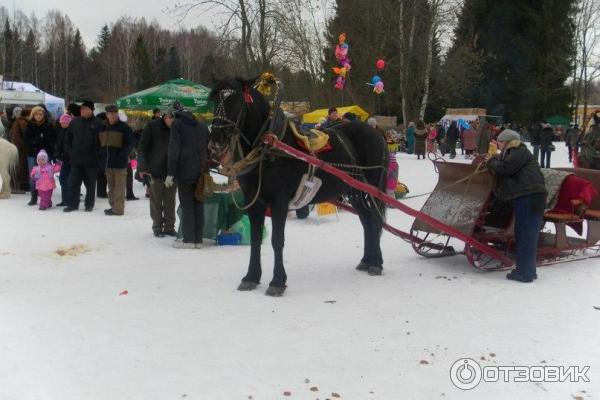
(243, 228)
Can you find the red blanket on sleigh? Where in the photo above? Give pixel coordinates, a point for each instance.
(574, 188)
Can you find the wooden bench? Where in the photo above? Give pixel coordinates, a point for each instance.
(560, 224)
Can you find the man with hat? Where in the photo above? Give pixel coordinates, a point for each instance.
(116, 142)
(520, 182)
(82, 144)
(186, 163)
(152, 164)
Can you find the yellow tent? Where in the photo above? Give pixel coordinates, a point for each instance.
(313, 117)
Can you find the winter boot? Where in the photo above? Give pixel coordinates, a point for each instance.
(34, 196)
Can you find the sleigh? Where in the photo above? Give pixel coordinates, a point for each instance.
(461, 216)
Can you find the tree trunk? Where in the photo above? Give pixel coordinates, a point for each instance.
(402, 62)
(426, 83)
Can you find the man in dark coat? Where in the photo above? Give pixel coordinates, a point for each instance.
(152, 164)
(83, 146)
(116, 142)
(520, 181)
(546, 145)
(186, 163)
(452, 136)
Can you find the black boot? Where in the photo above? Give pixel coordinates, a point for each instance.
(33, 200)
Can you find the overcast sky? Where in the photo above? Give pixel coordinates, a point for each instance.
(90, 15)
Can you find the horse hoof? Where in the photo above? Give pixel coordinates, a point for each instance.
(275, 291)
(246, 286)
(375, 270)
(362, 266)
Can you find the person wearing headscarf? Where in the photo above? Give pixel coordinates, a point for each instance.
(519, 181)
(61, 154)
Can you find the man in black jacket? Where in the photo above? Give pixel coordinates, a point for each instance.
(152, 163)
(186, 163)
(116, 142)
(520, 181)
(452, 136)
(546, 138)
(83, 145)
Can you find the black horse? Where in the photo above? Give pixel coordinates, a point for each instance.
(242, 115)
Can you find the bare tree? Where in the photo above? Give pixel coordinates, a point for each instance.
(252, 20)
(439, 16)
(587, 41)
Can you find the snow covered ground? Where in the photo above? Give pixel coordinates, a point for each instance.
(68, 331)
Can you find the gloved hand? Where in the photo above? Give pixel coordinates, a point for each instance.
(169, 181)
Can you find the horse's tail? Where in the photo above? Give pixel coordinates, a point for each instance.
(10, 153)
(13, 163)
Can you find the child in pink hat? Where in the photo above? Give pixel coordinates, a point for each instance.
(43, 175)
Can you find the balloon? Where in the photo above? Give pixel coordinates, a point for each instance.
(341, 53)
(378, 87)
(380, 64)
(375, 79)
(339, 71)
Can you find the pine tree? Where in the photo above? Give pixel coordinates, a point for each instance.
(523, 81)
(77, 68)
(142, 75)
(103, 39)
(160, 66)
(209, 70)
(30, 57)
(173, 65)
(8, 59)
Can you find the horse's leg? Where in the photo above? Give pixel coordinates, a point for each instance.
(372, 223)
(363, 215)
(256, 214)
(376, 266)
(278, 217)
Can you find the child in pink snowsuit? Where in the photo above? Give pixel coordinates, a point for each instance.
(43, 175)
(392, 176)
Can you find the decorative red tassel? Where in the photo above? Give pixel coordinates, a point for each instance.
(247, 97)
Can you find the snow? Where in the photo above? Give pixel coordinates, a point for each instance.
(182, 330)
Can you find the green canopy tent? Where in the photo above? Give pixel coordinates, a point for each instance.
(557, 120)
(192, 96)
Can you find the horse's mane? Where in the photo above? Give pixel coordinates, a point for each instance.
(235, 83)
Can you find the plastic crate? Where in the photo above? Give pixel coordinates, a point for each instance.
(229, 239)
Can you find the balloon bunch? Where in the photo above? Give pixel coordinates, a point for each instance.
(376, 81)
(341, 55)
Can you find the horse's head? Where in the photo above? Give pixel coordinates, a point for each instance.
(239, 110)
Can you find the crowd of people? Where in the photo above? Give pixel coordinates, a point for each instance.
(97, 151)
(171, 152)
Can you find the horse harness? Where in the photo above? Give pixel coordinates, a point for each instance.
(276, 123)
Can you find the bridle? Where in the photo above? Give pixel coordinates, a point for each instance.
(222, 121)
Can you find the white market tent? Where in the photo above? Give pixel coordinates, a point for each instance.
(24, 93)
